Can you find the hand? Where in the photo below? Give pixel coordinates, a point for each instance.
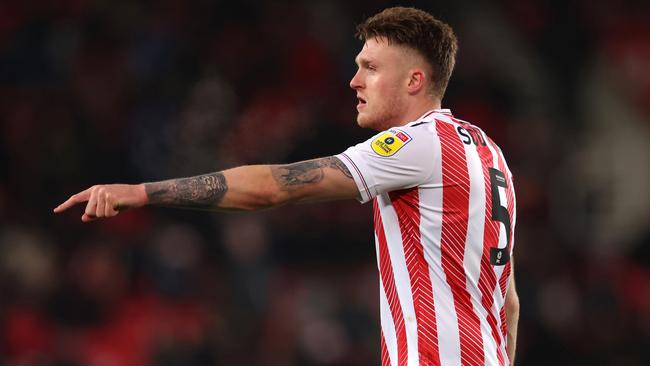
(106, 200)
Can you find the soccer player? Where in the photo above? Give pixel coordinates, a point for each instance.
(442, 193)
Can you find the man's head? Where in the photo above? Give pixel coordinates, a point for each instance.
(406, 60)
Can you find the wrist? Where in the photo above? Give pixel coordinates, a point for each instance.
(141, 192)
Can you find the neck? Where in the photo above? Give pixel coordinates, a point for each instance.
(418, 109)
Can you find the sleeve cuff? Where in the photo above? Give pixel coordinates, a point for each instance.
(363, 184)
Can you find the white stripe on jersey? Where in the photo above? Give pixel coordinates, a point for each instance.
(400, 271)
(431, 227)
(387, 323)
(473, 253)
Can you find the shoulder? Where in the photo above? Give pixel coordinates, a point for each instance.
(428, 122)
(389, 142)
(429, 128)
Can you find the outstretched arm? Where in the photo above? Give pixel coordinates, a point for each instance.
(243, 188)
(512, 315)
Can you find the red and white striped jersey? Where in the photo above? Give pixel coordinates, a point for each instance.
(444, 215)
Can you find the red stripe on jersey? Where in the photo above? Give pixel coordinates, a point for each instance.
(407, 207)
(488, 280)
(505, 276)
(388, 281)
(455, 206)
(385, 358)
(504, 326)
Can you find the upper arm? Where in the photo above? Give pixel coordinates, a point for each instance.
(320, 179)
(398, 158)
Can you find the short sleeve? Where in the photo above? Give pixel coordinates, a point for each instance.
(394, 159)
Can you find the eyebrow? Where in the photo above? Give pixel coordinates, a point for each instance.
(362, 61)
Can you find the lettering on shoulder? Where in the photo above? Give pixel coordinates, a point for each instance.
(470, 135)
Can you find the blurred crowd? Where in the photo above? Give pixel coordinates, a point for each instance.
(132, 91)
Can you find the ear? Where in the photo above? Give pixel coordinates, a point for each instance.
(417, 80)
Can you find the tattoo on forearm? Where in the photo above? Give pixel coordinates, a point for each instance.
(203, 191)
(306, 172)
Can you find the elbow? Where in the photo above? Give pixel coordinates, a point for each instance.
(512, 303)
(266, 199)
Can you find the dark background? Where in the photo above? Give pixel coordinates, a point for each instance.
(131, 91)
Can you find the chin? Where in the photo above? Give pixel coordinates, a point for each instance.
(364, 122)
(361, 123)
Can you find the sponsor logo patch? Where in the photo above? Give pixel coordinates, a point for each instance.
(389, 142)
(402, 136)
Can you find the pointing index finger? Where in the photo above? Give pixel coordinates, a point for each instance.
(82, 196)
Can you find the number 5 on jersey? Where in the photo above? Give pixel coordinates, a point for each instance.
(499, 256)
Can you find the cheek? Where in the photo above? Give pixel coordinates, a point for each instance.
(387, 85)
(380, 87)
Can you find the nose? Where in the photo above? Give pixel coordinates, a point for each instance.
(356, 82)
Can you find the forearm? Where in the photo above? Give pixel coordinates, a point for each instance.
(256, 187)
(512, 319)
(203, 191)
(242, 188)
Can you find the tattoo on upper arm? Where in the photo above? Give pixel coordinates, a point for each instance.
(336, 163)
(203, 191)
(307, 172)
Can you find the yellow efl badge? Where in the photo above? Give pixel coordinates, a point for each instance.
(389, 142)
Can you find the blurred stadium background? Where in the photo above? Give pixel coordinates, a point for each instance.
(131, 91)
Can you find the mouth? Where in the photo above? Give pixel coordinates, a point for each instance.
(361, 102)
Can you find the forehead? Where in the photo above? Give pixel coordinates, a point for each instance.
(378, 49)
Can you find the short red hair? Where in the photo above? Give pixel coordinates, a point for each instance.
(420, 31)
